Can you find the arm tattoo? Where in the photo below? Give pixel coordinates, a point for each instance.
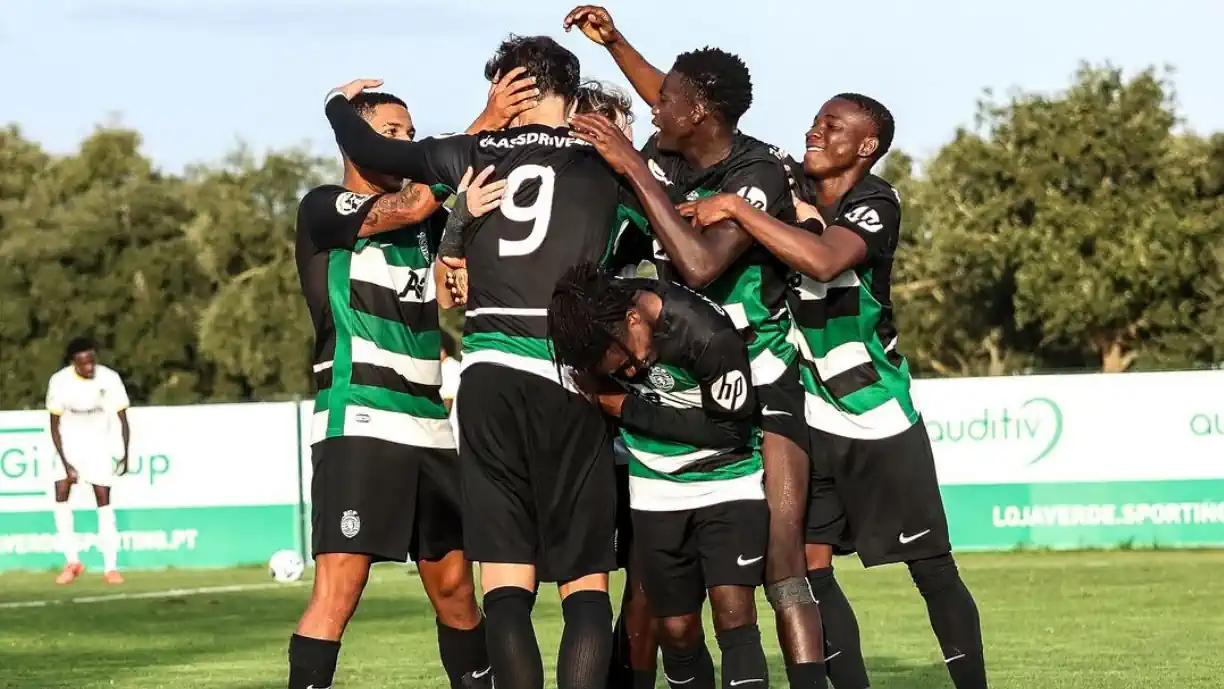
(392, 211)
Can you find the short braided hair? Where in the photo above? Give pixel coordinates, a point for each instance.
(885, 125)
(721, 79)
(587, 315)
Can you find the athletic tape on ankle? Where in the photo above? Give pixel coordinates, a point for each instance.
(789, 592)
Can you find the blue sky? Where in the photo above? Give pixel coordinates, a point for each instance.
(197, 76)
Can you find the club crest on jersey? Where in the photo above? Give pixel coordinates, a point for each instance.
(350, 523)
(349, 203)
(657, 172)
(660, 379)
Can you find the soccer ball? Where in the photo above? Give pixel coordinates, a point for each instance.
(286, 566)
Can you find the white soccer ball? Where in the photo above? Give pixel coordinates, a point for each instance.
(286, 566)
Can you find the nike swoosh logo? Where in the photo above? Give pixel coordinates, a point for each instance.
(737, 682)
(744, 563)
(947, 660)
(672, 681)
(833, 656)
(766, 411)
(903, 539)
(482, 673)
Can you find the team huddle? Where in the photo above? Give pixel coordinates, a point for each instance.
(679, 360)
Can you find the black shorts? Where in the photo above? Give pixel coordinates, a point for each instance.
(537, 474)
(685, 553)
(879, 498)
(624, 518)
(780, 407)
(389, 501)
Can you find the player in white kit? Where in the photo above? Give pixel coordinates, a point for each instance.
(88, 406)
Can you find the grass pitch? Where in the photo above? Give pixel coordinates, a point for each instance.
(1118, 620)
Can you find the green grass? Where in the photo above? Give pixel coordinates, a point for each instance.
(1051, 620)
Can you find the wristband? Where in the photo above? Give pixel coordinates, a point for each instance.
(451, 245)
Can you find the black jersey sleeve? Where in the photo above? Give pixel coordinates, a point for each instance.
(877, 220)
(728, 401)
(431, 161)
(331, 216)
(765, 185)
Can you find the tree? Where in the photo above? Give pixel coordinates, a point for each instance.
(1068, 231)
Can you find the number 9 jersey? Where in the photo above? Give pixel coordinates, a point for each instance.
(562, 206)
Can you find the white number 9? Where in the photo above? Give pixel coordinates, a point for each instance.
(538, 213)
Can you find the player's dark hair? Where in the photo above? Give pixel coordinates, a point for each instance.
(720, 79)
(77, 345)
(587, 315)
(885, 126)
(450, 345)
(366, 101)
(556, 70)
(604, 99)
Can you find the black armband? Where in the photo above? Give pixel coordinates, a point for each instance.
(451, 245)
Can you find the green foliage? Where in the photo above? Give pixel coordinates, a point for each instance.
(188, 283)
(1082, 230)
(1076, 231)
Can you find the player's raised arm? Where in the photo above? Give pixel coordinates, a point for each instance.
(596, 24)
(699, 256)
(431, 161)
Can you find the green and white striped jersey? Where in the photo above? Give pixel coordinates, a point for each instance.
(689, 424)
(753, 289)
(857, 384)
(377, 344)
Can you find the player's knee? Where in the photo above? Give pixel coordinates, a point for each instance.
(339, 579)
(733, 606)
(680, 632)
(451, 580)
(934, 574)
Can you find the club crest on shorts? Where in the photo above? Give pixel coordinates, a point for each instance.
(660, 379)
(350, 523)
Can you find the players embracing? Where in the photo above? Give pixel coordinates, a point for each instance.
(796, 264)
(874, 489)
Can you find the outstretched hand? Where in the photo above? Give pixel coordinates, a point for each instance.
(480, 197)
(356, 86)
(595, 23)
(608, 139)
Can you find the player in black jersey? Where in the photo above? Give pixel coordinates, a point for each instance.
(874, 487)
(385, 489)
(695, 465)
(635, 648)
(699, 150)
(536, 459)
